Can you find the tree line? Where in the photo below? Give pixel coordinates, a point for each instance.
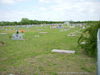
(26, 21)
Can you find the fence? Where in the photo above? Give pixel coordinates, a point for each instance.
(98, 52)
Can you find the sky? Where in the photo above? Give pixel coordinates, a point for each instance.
(50, 10)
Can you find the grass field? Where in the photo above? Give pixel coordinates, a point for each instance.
(33, 55)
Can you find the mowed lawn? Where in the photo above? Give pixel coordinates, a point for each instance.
(33, 55)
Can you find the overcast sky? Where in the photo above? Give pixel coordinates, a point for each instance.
(51, 10)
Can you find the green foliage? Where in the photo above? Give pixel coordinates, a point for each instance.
(26, 21)
(89, 36)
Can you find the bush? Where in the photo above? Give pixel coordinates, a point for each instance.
(89, 36)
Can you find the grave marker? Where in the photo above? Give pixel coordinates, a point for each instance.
(17, 36)
(63, 51)
(3, 33)
(43, 32)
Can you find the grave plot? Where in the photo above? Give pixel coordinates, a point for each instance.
(63, 51)
(39, 29)
(56, 26)
(43, 32)
(3, 33)
(17, 36)
(53, 27)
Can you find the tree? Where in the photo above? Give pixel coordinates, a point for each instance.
(25, 21)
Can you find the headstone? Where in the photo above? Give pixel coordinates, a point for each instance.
(59, 26)
(3, 33)
(63, 51)
(17, 36)
(72, 26)
(64, 30)
(72, 35)
(83, 27)
(53, 27)
(43, 32)
(39, 29)
(83, 42)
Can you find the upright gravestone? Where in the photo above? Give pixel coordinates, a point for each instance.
(17, 36)
(59, 26)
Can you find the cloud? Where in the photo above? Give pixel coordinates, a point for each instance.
(44, 1)
(43, 9)
(10, 1)
(60, 1)
(55, 10)
(82, 9)
(15, 15)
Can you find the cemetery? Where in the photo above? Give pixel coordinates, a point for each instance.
(48, 50)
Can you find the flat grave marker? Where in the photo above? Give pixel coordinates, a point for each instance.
(3, 33)
(63, 51)
(43, 32)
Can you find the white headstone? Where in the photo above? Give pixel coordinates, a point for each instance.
(44, 32)
(83, 42)
(63, 51)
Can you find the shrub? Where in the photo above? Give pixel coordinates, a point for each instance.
(89, 36)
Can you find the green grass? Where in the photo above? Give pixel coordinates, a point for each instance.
(33, 55)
